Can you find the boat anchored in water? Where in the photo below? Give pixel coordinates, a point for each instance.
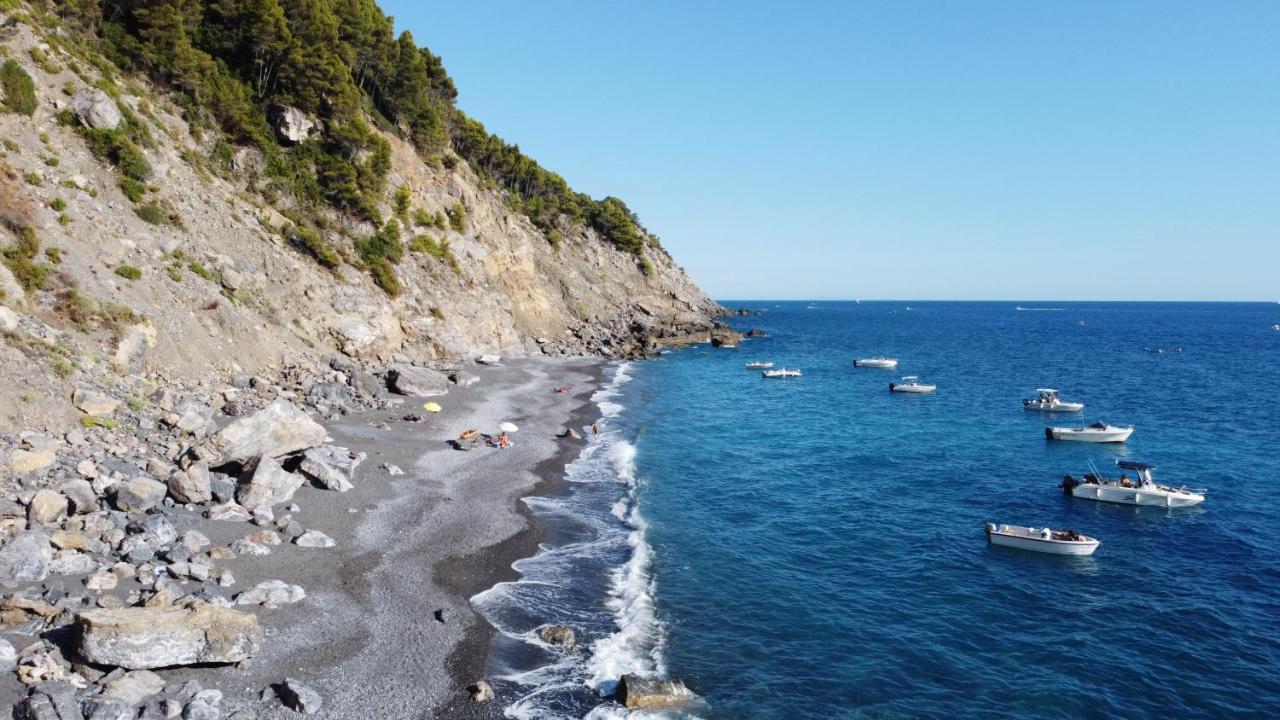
(1142, 490)
(1045, 540)
(758, 365)
(1048, 401)
(1098, 432)
(781, 373)
(911, 384)
(877, 362)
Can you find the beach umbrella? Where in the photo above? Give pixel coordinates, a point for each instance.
(508, 427)
(432, 407)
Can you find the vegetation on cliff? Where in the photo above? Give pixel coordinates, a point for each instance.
(233, 63)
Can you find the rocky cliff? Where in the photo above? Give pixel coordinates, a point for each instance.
(218, 285)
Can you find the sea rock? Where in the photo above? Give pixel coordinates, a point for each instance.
(331, 467)
(562, 635)
(94, 403)
(271, 594)
(270, 485)
(639, 693)
(417, 381)
(480, 691)
(292, 125)
(278, 429)
(26, 557)
(191, 485)
(132, 349)
(48, 507)
(145, 638)
(134, 687)
(570, 433)
(96, 109)
(314, 539)
(82, 499)
(299, 697)
(139, 494)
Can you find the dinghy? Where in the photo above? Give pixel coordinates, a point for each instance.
(1048, 401)
(1099, 432)
(759, 365)
(1142, 490)
(781, 373)
(887, 363)
(911, 384)
(1045, 540)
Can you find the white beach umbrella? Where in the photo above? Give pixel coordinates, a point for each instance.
(508, 427)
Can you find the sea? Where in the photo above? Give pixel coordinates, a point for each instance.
(814, 547)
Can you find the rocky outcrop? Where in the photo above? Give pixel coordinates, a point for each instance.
(561, 635)
(152, 637)
(639, 693)
(96, 109)
(292, 125)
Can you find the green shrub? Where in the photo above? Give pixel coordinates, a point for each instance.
(19, 91)
(310, 241)
(58, 204)
(378, 252)
(128, 272)
(132, 189)
(64, 219)
(400, 201)
(54, 254)
(200, 270)
(438, 249)
(175, 273)
(52, 161)
(33, 178)
(458, 217)
(157, 215)
(20, 259)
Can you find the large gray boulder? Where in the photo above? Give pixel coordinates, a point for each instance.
(331, 467)
(81, 496)
(191, 485)
(139, 494)
(270, 485)
(417, 381)
(26, 557)
(278, 429)
(292, 124)
(96, 109)
(644, 694)
(48, 507)
(142, 638)
(299, 697)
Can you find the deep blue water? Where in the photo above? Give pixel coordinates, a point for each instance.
(813, 548)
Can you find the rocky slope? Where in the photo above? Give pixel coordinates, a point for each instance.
(227, 292)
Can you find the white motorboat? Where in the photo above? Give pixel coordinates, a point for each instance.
(780, 373)
(1099, 432)
(911, 384)
(1045, 540)
(1143, 490)
(887, 363)
(489, 359)
(1047, 400)
(759, 365)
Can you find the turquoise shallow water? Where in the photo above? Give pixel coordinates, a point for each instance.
(813, 548)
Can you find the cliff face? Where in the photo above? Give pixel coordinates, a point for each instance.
(226, 291)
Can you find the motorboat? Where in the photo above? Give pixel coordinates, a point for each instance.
(759, 365)
(1142, 490)
(911, 384)
(1098, 432)
(1045, 540)
(1047, 400)
(887, 363)
(489, 359)
(781, 373)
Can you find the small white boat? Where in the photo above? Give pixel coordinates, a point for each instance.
(1276, 328)
(1048, 401)
(780, 373)
(1141, 491)
(1099, 432)
(759, 365)
(911, 384)
(1045, 540)
(877, 362)
(489, 359)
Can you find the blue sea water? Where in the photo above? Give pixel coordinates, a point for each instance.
(813, 548)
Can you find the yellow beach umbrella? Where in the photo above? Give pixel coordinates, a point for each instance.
(432, 407)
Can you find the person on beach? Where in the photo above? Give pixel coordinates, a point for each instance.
(504, 441)
(595, 429)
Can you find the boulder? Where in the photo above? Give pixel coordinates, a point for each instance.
(107, 708)
(36, 454)
(480, 691)
(271, 594)
(278, 429)
(462, 378)
(642, 694)
(229, 511)
(139, 494)
(191, 485)
(92, 402)
(299, 697)
(26, 557)
(132, 349)
(8, 320)
(314, 539)
(142, 638)
(48, 507)
(96, 109)
(81, 496)
(562, 635)
(417, 381)
(194, 418)
(134, 687)
(331, 467)
(292, 125)
(368, 337)
(270, 485)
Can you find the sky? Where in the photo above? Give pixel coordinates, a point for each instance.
(908, 150)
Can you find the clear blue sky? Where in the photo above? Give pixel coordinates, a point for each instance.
(921, 150)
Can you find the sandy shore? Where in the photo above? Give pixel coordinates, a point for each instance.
(366, 636)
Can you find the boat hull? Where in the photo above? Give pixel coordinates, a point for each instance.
(1054, 407)
(1115, 435)
(1138, 497)
(1049, 547)
(873, 363)
(916, 389)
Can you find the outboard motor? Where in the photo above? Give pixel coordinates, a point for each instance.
(991, 527)
(1048, 433)
(1069, 485)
